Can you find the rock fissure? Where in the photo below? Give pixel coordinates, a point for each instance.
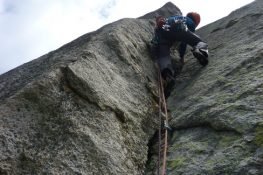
(90, 106)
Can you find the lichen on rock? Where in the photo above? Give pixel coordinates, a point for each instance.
(89, 107)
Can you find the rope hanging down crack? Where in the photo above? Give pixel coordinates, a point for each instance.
(162, 133)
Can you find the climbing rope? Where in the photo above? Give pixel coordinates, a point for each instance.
(162, 133)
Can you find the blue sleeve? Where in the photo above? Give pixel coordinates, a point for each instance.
(190, 24)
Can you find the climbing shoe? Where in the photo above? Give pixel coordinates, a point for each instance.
(200, 51)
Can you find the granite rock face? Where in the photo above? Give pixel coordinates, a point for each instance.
(217, 111)
(90, 106)
(86, 108)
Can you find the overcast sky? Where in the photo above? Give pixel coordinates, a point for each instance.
(32, 28)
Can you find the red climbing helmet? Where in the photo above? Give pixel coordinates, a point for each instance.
(160, 21)
(195, 17)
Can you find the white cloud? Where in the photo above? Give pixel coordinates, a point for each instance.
(31, 28)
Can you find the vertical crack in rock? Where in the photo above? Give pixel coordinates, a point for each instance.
(89, 106)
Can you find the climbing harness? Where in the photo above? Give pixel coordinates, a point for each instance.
(163, 128)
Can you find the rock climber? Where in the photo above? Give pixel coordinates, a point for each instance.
(176, 29)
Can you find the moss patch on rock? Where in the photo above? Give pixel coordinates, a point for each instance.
(259, 135)
(176, 163)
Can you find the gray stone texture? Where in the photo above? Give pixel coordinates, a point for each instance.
(217, 111)
(89, 107)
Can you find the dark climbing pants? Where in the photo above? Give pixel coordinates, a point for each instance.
(167, 38)
(185, 36)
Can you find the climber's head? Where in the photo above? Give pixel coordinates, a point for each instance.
(160, 21)
(195, 17)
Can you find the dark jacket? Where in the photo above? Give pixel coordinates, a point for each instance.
(189, 24)
(176, 28)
